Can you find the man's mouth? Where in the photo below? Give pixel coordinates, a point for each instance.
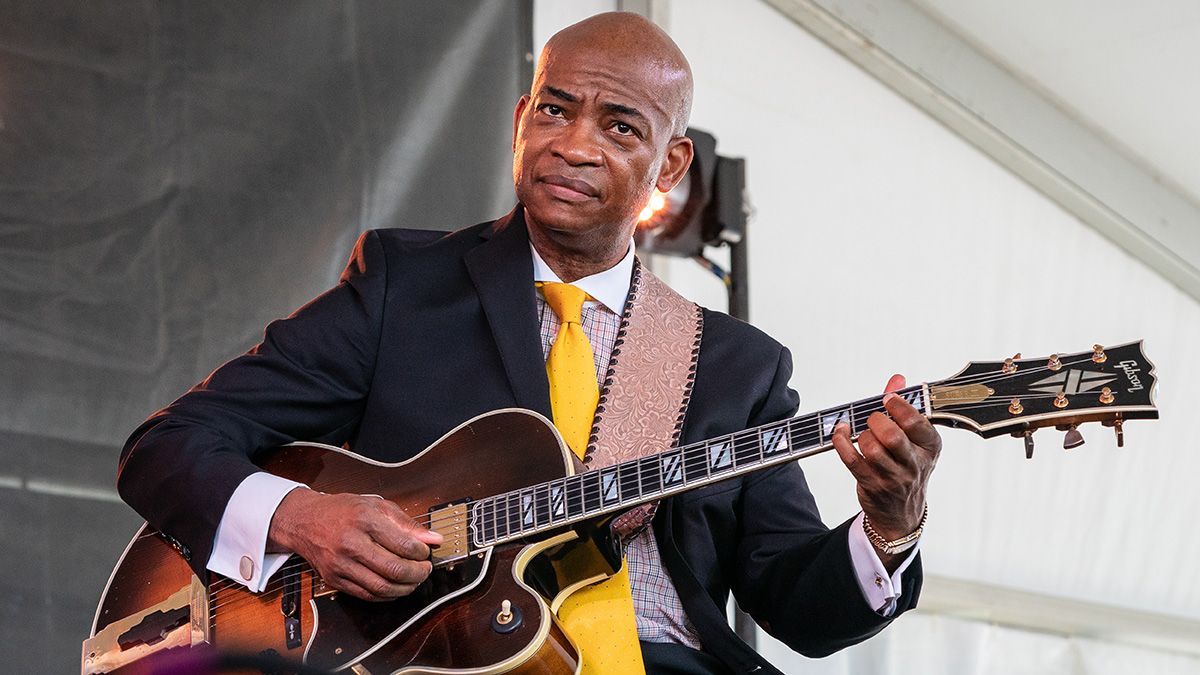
(569, 189)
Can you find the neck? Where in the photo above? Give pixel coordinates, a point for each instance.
(574, 256)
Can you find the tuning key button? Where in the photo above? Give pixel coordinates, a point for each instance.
(1015, 407)
(1106, 396)
(1054, 363)
(1010, 365)
(1027, 435)
(1060, 400)
(1073, 439)
(1098, 355)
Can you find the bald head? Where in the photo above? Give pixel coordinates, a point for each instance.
(625, 37)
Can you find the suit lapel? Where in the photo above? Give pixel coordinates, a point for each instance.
(502, 270)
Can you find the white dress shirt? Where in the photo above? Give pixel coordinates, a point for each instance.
(239, 550)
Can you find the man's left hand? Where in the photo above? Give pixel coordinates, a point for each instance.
(892, 464)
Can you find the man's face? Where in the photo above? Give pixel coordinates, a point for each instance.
(591, 143)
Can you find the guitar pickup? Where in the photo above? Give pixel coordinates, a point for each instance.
(450, 521)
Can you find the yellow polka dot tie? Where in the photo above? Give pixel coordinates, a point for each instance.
(599, 618)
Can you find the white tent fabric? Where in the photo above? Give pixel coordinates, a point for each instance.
(929, 645)
(884, 243)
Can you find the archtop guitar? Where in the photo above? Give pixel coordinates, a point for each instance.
(523, 529)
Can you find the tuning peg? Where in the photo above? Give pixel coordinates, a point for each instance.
(1054, 363)
(1117, 425)
(1106, 396)
(1098, 355)
(1060, 400)
(1010, 366)
(1073, 439)
(1028, 436)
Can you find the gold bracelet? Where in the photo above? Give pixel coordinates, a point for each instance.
(896, 545)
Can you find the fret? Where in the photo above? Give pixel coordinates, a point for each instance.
(745, 448)
(695, 463)
(558, 501)
(776, 439)
(720, 456)
(512, 515)
(915, 398)
(486, 525)
(762, 451)
(830, 419)
(672, 467)
(651, 470)
(527, 511)
(575, 505)
(630, 486)
(590, 484)
(541, 502)
(610, 486)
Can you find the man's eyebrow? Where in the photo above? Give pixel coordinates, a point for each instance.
(559, 93)
(624, 110)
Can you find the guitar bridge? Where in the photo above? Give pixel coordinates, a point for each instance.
(450, 521)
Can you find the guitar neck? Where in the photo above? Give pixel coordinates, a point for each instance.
(612, 489)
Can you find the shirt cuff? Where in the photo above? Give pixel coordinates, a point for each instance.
(881, 590)
(239, 550)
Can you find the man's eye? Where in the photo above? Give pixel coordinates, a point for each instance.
(623, 129)
(552, 110)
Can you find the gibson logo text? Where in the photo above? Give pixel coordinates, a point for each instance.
(1131, 370)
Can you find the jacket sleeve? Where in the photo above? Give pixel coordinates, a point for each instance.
(796, 576)
(307, 379)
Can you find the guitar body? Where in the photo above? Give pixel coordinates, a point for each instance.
(448, 625)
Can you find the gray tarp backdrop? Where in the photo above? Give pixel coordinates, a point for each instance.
(174, 175)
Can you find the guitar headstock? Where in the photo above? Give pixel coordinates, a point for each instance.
(1105, 384)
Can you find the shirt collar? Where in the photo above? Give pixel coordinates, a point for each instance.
(610, 287)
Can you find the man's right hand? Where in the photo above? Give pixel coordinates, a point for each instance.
(364, 546)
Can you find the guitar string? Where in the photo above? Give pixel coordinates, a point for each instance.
(431, 522)
(541, 503)
(979, 378)
(541, 500)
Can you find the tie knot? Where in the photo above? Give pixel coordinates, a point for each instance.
(566, 300)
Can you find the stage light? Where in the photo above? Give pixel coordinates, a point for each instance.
(704, 209)
(657, 202)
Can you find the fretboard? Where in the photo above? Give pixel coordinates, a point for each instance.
(522, 513)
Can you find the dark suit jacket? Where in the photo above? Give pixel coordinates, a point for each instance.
(418, 338)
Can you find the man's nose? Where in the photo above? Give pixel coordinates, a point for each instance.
(578, 144)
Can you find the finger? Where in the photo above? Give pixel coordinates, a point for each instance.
(915, 425)
(405, 523)
(846, 450)
(895, 383)
(395, 568)
(376, 586)
(399, 535)
(883, 460)
(892, 440)
(348, 586)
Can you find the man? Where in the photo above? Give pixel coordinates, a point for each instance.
(416, 339)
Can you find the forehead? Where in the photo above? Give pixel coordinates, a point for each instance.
(610, 77)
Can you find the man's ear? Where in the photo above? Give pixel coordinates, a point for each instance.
(675, 164)
(520, 110)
